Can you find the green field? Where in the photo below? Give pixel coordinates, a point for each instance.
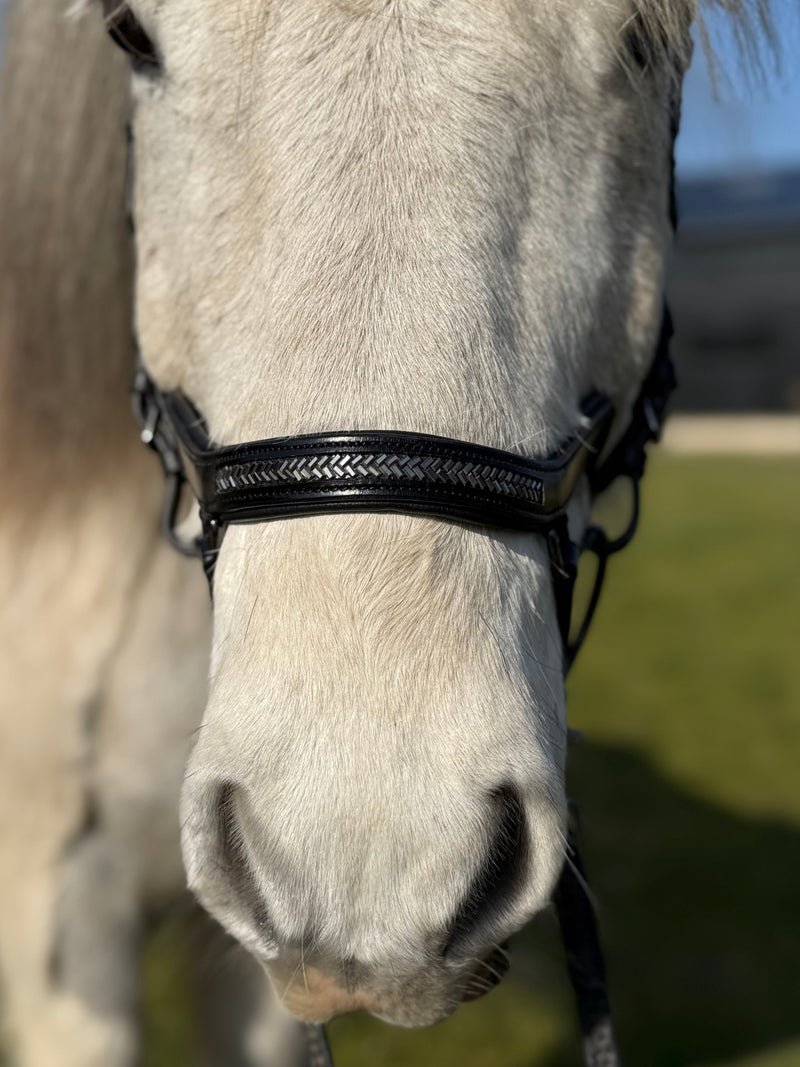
(688, 694)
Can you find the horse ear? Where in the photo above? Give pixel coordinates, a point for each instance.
(126, 31)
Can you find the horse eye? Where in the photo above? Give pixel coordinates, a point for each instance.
(126, 31)
(637, 46)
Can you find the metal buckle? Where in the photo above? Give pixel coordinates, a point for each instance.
(155, 431)
(157, 435)
(148, 434)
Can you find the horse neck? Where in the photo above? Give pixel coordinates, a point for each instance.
(65, 293)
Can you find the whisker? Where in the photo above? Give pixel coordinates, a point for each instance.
(580, 878)
(495, 974)
(250, 617)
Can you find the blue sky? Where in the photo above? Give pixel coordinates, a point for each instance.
(751, 128)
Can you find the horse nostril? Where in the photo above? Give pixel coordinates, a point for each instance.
(230, 838)
(235, 859)
(498, 875)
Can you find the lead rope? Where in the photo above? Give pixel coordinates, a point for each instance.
(318, 1051)
(581, 939)
(574, 909)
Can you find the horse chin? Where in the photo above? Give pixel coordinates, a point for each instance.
(316, 994)
(317, 998)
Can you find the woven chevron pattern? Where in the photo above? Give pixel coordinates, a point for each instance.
(383, 468)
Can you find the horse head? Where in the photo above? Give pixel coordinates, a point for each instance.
(449, 218)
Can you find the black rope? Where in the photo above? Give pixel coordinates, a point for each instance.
(318, 1051)
(585, 964)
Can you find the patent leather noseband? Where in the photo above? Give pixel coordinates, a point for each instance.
(408, 473)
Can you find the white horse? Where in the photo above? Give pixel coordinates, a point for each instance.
(431, 215)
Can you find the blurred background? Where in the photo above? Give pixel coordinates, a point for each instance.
(736, 275)
(688, 690)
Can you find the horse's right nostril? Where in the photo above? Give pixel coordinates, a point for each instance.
(234, 857)
(499, 874)
(229, 837)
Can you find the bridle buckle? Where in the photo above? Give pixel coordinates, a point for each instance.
(156, 433)
(148, 434)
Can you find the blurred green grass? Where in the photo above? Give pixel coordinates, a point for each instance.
(688, 695)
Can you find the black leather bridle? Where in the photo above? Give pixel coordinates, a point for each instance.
(440, 478)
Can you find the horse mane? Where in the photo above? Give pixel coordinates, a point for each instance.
(661, 25)
(66, 266)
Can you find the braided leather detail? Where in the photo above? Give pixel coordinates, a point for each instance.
(384, 467)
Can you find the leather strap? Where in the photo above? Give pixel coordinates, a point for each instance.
(629, 455)
(381, 471)
(317, 1050)
(409, 473)
(585, 964)
(371, 471)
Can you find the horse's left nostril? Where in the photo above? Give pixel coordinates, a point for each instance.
(499, 874)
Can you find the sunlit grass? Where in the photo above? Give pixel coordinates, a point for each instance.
(688, 694)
